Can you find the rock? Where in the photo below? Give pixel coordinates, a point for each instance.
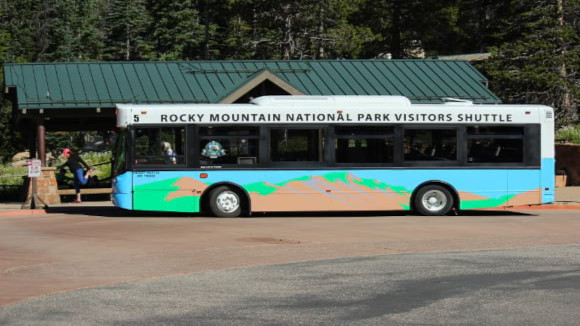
(21, 156)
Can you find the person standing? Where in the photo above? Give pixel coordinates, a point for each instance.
(80, 170)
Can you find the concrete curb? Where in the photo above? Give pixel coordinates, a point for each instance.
(24, 212)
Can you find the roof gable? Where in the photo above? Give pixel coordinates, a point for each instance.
(254, 81)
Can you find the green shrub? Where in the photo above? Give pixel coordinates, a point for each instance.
(569, 134)
(12, 176)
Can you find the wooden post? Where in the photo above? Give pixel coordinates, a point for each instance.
(41, 134)
(32, 146)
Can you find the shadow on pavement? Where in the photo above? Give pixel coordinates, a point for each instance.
(114, 212)
(110, 211)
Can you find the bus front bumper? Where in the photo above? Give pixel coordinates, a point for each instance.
(124, 201)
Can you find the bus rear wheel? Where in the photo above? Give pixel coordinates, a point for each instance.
(225, 202)
(433, 200)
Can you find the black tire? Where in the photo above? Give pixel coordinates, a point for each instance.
(225, 202)
(433, 200)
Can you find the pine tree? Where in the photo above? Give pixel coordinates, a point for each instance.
(73, 31)
(238, 31)
(125, 29)
(297, 29)
(4, 42)
(52, 30)
(251, 31)
(410, 29)
(176, 30)
(20, 20)
(540, 57)
(337, 34)
(214, 18)
(9, 144)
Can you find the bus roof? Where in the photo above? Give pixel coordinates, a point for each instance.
(331, 109)
(331, 100)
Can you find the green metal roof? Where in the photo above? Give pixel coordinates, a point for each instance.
(102, 84)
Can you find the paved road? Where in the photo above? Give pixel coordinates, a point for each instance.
(72, 248)
(533, 286)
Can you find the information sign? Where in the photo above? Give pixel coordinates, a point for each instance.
(34, 168)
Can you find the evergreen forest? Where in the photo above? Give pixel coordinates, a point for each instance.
(534, 44)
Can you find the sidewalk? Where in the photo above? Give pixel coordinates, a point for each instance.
(15, 208)
(568, 195)
(566, 198)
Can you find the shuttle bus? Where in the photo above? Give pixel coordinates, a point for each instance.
(332, 153)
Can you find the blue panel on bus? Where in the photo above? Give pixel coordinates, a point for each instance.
(547, 180)
(122, 195)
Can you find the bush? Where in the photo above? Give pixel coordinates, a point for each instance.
(11, 176)
(569, 134)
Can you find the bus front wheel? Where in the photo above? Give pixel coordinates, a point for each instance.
(433, 200)
(224, 202)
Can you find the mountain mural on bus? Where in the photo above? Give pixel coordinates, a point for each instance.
(354, 190)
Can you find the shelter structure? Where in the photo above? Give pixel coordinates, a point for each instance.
(82, 96)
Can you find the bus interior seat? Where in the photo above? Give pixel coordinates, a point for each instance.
(247, 160)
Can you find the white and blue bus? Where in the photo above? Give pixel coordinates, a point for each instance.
(332, 153)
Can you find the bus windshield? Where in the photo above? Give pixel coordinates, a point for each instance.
(119, 154)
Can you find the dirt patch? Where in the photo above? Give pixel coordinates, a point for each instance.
(267, 240)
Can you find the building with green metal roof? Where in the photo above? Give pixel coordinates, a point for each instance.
(82, 95)
(102, 84)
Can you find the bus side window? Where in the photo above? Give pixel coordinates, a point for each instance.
(154, 145)
(372, 145)
(292, 145)
(223, 146)
(495, 144)
(430, 144)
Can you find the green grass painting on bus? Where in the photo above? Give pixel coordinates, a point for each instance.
(328, 191)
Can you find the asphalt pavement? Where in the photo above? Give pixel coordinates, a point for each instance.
(517, 268)
(532, 286)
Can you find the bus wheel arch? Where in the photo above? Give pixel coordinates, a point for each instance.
(212, 193)
(440, 190)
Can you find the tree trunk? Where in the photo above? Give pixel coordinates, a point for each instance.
(396, 46)
(288, 42)
(566, 102)
(321, 33)
(127, 38)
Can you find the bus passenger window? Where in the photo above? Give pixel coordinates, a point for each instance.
(227, 146)
(292, 145)
(364, 144)
(430, 145)
(491, 144)
(155, 146)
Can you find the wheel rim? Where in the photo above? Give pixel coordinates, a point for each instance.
(227, 201)
(434, 200)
